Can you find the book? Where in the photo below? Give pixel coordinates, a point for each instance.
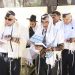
(40, 44)
(36, 38)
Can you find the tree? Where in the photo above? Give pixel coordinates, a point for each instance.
(1, 4)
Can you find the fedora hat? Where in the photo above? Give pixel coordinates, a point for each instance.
(32, 18)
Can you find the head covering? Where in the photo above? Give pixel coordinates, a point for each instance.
(44, 16)
(49, 33)
(9, 13)
(32, 18)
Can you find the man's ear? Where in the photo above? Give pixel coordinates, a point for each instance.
(15, 20)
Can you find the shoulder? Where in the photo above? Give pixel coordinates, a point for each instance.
(59, 25)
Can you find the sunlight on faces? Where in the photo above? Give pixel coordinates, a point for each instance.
(9, 20)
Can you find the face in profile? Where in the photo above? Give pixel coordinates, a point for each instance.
(9, 20)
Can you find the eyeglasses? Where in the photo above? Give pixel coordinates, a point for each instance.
(9, 19)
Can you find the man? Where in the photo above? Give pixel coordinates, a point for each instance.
(31, 30)
(32, 27)
(56, 16)
(52, 41)
(68, 54)
(15, 43)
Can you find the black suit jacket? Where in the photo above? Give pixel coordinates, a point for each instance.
(31, 32)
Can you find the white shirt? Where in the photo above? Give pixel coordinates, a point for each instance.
(59, 34)
(5, 46)
(69, 30)
(18, 32)
(58, 39)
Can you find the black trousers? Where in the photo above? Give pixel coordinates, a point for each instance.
(68, 66)
(54, 69)
(44, 67)
(4, 70)
(5, 65)
(15, 66)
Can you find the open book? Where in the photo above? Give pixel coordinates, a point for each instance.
(37, 40)
(40, 44)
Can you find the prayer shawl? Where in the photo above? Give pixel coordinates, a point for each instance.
(59, 33)
(53, 37)
(18, 48)
(38, 37)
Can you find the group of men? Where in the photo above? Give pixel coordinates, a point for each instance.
(58, 37)
(53, 35)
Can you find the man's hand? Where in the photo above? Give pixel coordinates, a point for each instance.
(7, 37)
(70, 40)
(38, 47)
(15, 39)
(49, 49)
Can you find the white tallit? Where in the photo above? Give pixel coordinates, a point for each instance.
(49, 33)
(19, 32)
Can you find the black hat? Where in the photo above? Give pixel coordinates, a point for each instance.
(32, 18)
(10, 13)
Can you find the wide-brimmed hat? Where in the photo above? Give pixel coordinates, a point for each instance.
(32, 18)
